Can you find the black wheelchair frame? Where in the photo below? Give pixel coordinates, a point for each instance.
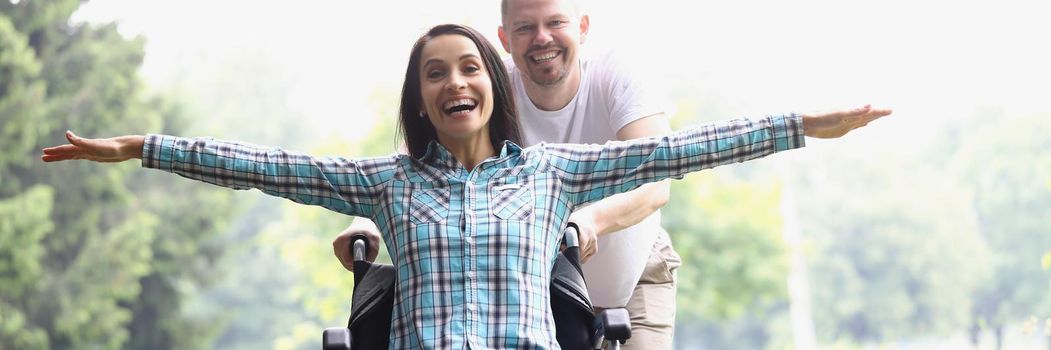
(576, 324)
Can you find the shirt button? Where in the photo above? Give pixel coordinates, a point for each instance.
(470, 307)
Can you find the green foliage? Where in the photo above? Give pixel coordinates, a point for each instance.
(764, 326)
(263, 297)
(888, 268)
(322, 290)
(20, 270)
(1046, 263)
(17, 333)
(21, 95)
(90, 251)
(301, 241)
(1003, 161)
(931, 243)
(93, 314)
(727, 226)
(728, 234)
(23, 224)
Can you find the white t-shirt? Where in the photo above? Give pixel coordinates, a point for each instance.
(609, 97)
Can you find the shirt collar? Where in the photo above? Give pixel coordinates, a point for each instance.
(440, 157)
(510, 149)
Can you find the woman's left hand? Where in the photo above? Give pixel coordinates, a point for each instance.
(827, 125)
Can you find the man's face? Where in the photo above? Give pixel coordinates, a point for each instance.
(543, 37)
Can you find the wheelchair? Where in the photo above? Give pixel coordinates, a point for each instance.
(576, 325)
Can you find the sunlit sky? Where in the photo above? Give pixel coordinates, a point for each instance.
(930, 60)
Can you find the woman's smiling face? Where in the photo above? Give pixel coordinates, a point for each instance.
(456, 90)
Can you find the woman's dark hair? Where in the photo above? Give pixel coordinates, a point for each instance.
(419, 132)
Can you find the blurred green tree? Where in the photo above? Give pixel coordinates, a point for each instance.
(948, 241)
(99, 261)
(728, 233)
(727, 226)
(241, 94)
(734, 261)
(1004, 160)
(323, 293)
(900, 264)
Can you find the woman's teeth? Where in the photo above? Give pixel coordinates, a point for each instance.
(460, 106)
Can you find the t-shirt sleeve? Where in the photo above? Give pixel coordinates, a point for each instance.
(632, 92)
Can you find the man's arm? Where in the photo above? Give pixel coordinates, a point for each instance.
(624, 210)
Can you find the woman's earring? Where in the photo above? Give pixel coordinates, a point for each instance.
(422, 114)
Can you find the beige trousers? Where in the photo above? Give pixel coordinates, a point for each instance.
(652, 304)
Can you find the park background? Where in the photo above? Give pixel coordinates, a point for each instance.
(930, 229)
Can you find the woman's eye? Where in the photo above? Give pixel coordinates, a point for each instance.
(434, 74)
(471, 69)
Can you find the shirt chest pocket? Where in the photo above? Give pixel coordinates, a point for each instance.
(429, 205)
(512, 201)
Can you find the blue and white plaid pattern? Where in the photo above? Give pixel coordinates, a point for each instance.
(473, 249)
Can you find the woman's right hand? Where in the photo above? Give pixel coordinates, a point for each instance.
(341, 245)
(111, 150)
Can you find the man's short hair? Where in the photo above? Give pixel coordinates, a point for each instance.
(574, 6)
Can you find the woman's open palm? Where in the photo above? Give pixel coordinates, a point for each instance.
(111, 150)
(827, 125)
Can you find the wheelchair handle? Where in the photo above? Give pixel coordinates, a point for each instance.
(571, 238)
(359, 247)
(571, 235)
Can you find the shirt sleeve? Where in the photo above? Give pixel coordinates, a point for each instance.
(592, 172)
(349, 186)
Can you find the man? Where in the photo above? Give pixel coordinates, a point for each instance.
(566, 98)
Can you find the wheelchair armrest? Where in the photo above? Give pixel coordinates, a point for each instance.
(335, 338)
(613, 325)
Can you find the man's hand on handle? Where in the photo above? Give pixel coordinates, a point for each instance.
(341, 245)
(587, 235)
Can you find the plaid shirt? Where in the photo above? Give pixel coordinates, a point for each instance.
(473, 249)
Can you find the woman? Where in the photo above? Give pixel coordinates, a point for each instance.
(470, 219)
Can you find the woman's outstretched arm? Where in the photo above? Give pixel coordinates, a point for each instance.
(592, 172)
(349, 186)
